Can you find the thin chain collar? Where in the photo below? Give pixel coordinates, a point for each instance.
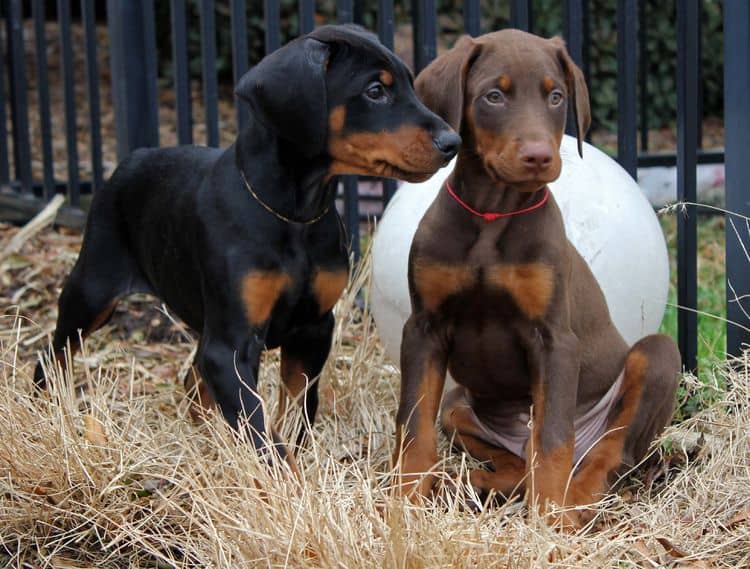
(276, 213)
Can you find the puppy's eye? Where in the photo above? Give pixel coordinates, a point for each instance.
(495, 97)
(375, 91)
(556, 97)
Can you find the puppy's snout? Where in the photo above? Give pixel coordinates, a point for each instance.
(447, 142)
(536, 155)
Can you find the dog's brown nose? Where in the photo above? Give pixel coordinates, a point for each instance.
(447, 142)
(536, 155)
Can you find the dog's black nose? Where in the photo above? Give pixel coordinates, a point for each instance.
(447, 142)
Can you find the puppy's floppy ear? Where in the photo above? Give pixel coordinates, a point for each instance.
(578, 93)
(288, 91)
(442, 83)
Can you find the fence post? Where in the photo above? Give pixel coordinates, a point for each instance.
(133, 62)
(627, 54)
(737, 156)
(573, 21)
(18, 95)
(688, 15)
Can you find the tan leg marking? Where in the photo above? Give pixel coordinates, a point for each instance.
(458, 421)
(201, 402)
(419, 455)
(530, 285)
(260, 291)
(328, 286)
(436, 281)
(294, 382)
(548, 472)
(592, 479)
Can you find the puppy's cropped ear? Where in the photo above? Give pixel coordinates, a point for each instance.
(442, 83)
(288, 90)
(577, 91)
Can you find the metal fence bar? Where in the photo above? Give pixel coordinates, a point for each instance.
(345, 15)
(643, 74)
(18, 102)
(68, 72)
(133, 62)
(699, 39)
(586, 54)
(664, 159)
(385, 33)
(239, 55)
(472, 17)
(574, 29)
(181, 72)
(627, 51)
(307, 16)
(425, 33)
(92, 77)
(688, 14)
(737, 141)
(273, 25)
(45, 124)
(573, 19)
(385, 22)
(4, 164)
(520, 14)
(208, 71)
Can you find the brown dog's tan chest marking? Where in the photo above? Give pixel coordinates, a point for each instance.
(435, 282)
(531, 285)
(260, 290)
(328, 286)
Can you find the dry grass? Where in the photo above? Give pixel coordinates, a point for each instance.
(109, 471)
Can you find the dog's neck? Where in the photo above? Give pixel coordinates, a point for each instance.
(476, 188)
(291, 184)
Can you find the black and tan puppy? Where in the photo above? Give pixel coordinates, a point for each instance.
(244, 244)
(507, 304)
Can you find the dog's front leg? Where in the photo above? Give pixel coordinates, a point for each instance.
(423, 368)
(554, 362)
(230, 368)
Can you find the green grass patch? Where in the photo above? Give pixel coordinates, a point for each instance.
(711, 301)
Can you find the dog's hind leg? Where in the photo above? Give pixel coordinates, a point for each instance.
(643, 409)
(103, 273)
(508, 470)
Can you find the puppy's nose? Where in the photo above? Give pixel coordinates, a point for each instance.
(536, 155)
(447, 142)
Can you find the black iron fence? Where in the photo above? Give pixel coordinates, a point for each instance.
(133, 70)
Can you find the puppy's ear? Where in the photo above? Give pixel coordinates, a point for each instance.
(578, 93)
(288, 91)
(442, 83)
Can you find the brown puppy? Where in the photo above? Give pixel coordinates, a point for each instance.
(506, 303)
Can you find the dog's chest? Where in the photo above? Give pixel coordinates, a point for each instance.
(299, 288)
(481, 276)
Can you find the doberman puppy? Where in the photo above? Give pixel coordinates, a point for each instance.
(506, 303)
(243, 244)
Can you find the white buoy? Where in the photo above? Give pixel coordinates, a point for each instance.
(607, 219)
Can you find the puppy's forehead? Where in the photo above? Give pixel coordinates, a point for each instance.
(364, 46)
(518, 56)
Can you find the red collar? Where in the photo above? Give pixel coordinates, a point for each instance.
(491, 216)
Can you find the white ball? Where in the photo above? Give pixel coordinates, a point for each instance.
(606, 217)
